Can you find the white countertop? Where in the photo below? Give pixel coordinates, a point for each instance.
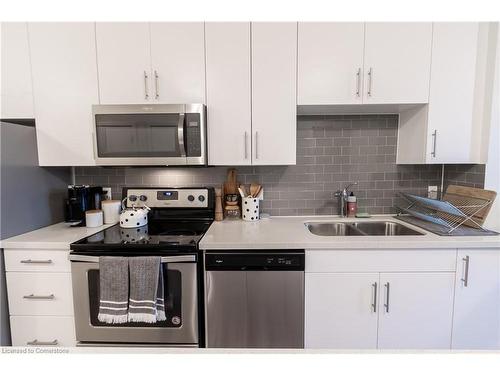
(56, 237)
(281, 232)
(277, 232)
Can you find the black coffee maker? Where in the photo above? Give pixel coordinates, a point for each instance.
(82, 198)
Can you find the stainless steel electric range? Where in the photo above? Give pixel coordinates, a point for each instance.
(178, 219)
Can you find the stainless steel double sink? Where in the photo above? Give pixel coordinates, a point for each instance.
(360, 228)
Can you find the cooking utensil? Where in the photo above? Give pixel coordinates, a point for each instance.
(254, 189)
(244, 190)
(242, 193)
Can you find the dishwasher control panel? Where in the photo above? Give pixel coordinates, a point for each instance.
(255, 261)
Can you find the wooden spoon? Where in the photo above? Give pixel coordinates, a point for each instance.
(254, 189)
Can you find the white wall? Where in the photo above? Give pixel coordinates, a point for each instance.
(492, 178)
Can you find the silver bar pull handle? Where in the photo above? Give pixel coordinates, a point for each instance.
(166, 259)
(157, 90)
(465, 279)
(180, 135)
(30, 261)
(358, 82)
(387, 290)
(33, 296)
(35, 342)
(246, 145)
(146, 90)
(434, 141)
(370, 78)
(374, 304)
(256, 145)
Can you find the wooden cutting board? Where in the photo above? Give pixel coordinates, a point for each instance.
(231, 185)
(463, 196)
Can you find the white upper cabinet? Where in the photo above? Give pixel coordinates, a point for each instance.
(151, 63)
(228, 93)
(274, 93)
(17, 89)
(397, 62)
(453, 127)
(330, 62)
(451, 105)
(476, 316)
(178, 62)
(64, 88)
(124, 62)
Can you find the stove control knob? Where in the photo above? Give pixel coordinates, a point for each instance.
(143, 198)
(201, 198)
(132, 198)
(190, 198)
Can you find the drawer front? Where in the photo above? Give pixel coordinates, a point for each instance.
(40, 293)
(42, 331)
(37, 261)
(397, 260)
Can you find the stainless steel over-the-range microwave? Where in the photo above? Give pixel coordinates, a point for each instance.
(150, 134)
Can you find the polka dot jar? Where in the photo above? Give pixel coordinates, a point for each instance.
(250, 209)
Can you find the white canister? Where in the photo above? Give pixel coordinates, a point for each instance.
(250, 209)
(111, 210)
(93, 218)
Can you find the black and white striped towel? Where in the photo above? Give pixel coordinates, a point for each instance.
(146, 297)
(113, 281)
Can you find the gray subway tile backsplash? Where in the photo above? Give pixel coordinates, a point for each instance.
(331, 152)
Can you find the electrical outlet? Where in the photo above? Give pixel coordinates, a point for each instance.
(432, 192)
(107, 193)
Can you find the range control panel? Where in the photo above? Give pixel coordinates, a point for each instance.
(175, 198)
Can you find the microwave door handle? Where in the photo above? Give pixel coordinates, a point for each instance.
(180, 135)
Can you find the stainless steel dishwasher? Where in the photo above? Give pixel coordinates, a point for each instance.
(254, 299)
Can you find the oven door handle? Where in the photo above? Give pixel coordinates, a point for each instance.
(168, 259)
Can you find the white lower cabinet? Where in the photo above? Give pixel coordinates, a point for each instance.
(340, 310)
(40, 295)
(42, 330)
(350, 304)
(415, 310)
(476, 313)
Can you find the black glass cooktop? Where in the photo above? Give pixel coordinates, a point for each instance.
(160, 235)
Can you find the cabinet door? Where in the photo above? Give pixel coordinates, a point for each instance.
(124, 62)
(228, 93)
(17, 89)
(274, 78)
(64, 89)
(330, 62)
(415, 310)
(340, 310)
(178, 62)
(454, 51)
(397, 62)
(476, 315)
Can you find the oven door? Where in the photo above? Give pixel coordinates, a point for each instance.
(157, 134)
(181, 305)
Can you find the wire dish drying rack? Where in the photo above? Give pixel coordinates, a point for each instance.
(452, 212)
